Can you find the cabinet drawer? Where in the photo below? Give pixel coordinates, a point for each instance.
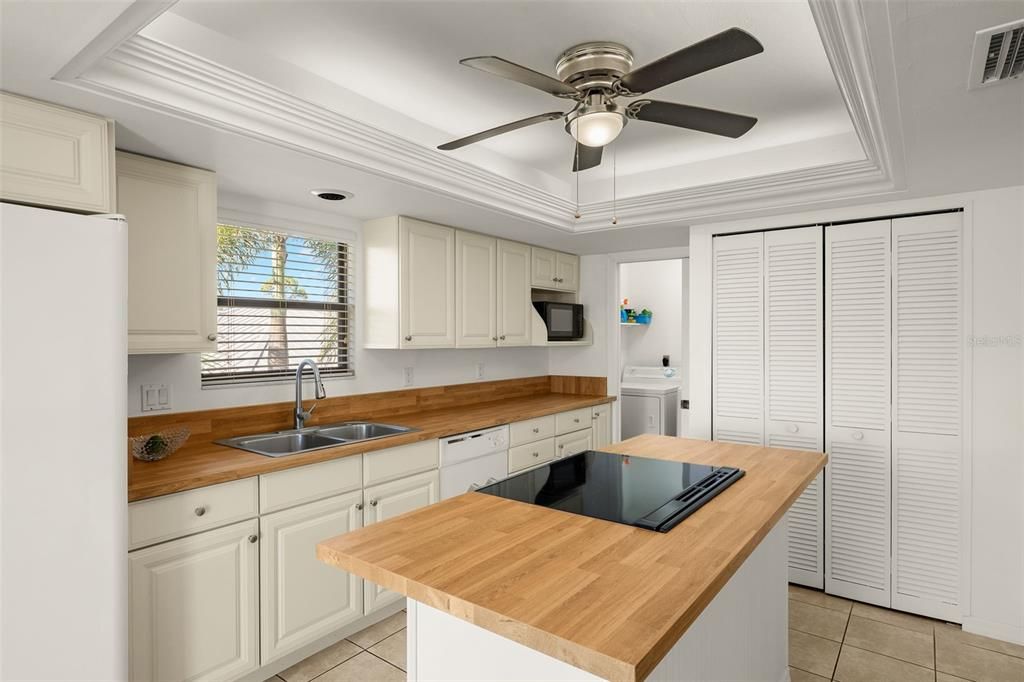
(574, 443)
(531, 454)
(173, 516)
(532, 429)
(387, 465)
(573, 420)
(283, 489)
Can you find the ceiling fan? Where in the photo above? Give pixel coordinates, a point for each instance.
(595, 75)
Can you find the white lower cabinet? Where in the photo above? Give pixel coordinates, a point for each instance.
(301, 598)
(602, 418)
(194, 606)
(386, 501)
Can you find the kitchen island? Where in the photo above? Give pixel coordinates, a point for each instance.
(503, 590)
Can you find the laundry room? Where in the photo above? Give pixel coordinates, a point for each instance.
(653, 346)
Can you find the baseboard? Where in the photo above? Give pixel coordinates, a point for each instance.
(1001, 631)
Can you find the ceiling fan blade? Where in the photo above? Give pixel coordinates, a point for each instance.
(586, 157)
(521, 74)
(507, 128)
(695, 118)
(720, 49)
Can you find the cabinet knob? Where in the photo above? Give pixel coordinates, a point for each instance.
(561, 445)
(576, 420)
(554, 279)
(408, 338)
(857, 435)
(211, 337)
(253, 539)
(536, 454)
(495, 338)
(502, 337)
(200, 511)
(536, 429)
(792, 428)
(373, 503)
(359, 505)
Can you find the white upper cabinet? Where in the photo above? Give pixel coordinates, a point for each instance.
(857, 406)
(567, 272)
(55, 157)
(172, 254)
(737, 366)
(476, 315)
(409, 280)
(514, 305)
(554, 270)
(542, 268)
(927, 430)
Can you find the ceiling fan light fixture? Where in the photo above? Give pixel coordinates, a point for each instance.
(596, 127)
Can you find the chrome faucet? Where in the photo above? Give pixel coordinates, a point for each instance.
(302, 415)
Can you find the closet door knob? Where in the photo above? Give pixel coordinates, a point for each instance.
(792, 428)
(857, 435)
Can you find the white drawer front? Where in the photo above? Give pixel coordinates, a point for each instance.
(387, 465)
(531, 454)
(573, 443)
(180, 514)
(532, 430)
(283, 489)
(573, 420)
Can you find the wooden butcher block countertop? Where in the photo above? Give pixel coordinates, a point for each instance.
(201, 462)
(605, 597)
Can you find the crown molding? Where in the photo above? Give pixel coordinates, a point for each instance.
(161, 77)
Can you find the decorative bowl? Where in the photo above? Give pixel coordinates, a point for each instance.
(155, 446)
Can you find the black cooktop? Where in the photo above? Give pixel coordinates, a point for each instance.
(637, 491)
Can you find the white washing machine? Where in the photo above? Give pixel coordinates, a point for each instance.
(650, 401)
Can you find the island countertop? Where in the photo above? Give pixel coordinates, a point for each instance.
(607, 598)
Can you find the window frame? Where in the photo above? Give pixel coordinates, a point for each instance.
(346, 293)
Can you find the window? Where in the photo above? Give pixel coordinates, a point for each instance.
(280, 298)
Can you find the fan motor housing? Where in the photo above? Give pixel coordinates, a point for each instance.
(594, 65)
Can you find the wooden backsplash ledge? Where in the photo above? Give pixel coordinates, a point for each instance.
(208, 425)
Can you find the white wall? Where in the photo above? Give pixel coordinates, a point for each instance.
(994, 225)
(657, 285)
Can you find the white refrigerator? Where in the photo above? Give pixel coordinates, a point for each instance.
(63, 467)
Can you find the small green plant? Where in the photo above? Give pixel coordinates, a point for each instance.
(155, 445)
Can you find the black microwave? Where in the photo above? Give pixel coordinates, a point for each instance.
(563, 320)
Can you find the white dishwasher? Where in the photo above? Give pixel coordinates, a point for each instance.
(472, 460)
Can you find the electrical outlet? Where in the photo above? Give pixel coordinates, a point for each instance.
(156, 397)
(408, 376)
(479, 370)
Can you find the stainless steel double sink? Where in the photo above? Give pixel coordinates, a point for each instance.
(293, 442)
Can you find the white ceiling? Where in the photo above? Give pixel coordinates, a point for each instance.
(952, 139)
(404, 56)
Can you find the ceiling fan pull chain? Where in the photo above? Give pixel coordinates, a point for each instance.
(577, 165)
(615, 173)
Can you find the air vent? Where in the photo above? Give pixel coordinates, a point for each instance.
(998, 55)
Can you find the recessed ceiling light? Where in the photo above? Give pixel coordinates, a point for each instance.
(331, 194)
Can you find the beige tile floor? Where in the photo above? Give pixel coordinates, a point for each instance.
(838, 639)
(829, 639)
(376, 653)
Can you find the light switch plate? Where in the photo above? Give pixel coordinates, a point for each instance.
(156, 397)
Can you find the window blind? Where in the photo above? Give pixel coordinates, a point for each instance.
(280, 299)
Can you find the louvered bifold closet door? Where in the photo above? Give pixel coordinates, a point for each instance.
(857, 409)
(927, 419)
(737, 374)
(794, 391)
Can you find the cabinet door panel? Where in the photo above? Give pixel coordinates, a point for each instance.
(567, 270)
(927, 418)
(602, 417)
(302, 598)
(514, 307)
(387, 501)
(193, 606)
(475, 290)
(172, 254)
(857, 406)
(738, 339)
(427, 290)
(574, 443)
(794, 321)
(543, 268)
